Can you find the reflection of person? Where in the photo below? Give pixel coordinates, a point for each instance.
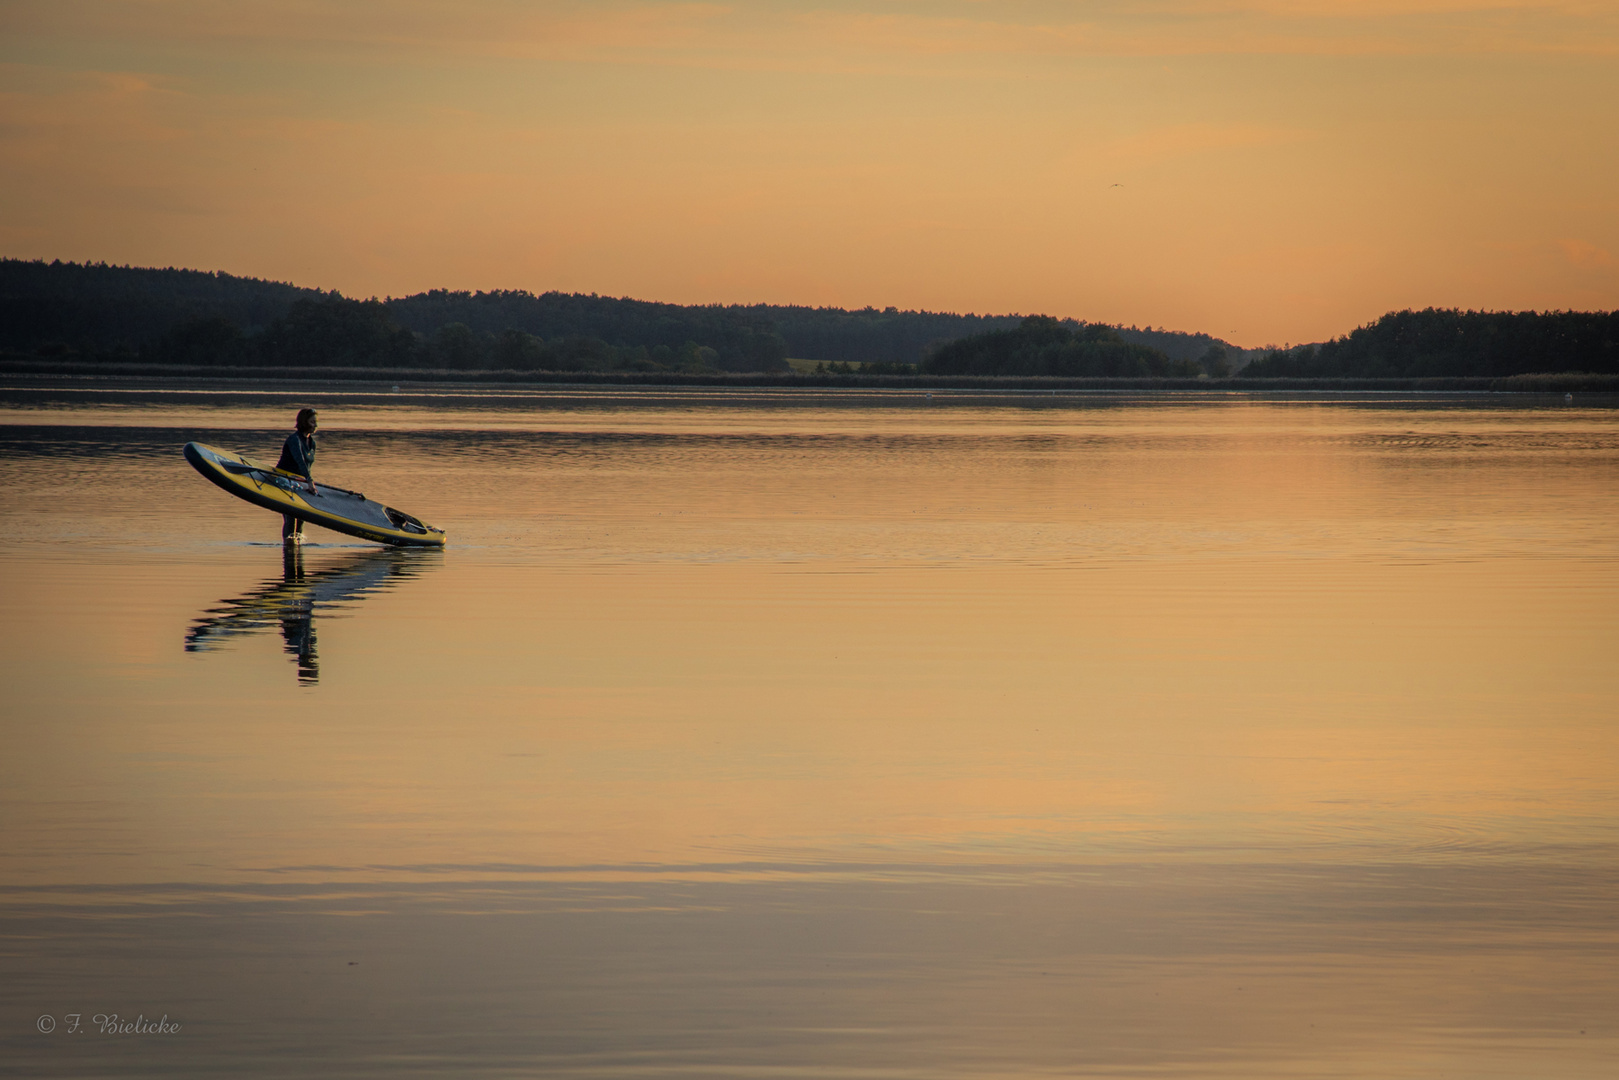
(298, 457)
(294, 600)
(298, 617)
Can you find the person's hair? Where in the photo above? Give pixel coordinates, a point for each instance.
(304, 417)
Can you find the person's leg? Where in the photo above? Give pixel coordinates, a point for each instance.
(290, 527)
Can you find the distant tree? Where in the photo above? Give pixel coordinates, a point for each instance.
(869, 335)
(1216, 362)
(1042, 345)
(1175, 344)
(337, 333)
(1434, 342)
(741, 341)
(518, 351)
(456, 346)
(1292, 362)
(96, 311)
(94, 308)
(697, 358)
(638, 359)
(581, 354)
(208, 341)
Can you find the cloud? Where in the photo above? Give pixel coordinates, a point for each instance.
(1584, 255)
(41, 109)
(1188, 140)
(833, 34)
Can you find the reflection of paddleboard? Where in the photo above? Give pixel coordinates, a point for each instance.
(298, 596)
(292, 602)
(329, 507)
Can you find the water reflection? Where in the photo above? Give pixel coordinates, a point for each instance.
(291, 602)
(1198, 742)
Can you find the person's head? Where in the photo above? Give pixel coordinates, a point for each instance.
(307, 421)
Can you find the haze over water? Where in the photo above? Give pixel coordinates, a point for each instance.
(857, 735)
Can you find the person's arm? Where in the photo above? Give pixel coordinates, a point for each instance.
(298, 458)
(309, 467)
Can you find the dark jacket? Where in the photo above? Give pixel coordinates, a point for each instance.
(298, 455)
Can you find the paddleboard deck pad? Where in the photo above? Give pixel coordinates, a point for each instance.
(327, 506)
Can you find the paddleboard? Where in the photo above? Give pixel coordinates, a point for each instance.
(327, 506)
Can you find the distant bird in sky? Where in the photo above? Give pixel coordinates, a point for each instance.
(1115, 185)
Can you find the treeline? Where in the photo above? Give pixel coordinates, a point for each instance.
(524, 331)
(872, 335)
(99, 312)
(1446, 342)
(91, 309)
(336, 332)
(1178, 345)
(1042, 345)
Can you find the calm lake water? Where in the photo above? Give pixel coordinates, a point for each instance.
(841, 735)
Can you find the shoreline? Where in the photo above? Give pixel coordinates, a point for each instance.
(81, 373)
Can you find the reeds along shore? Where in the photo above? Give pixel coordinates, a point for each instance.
(1546, 383)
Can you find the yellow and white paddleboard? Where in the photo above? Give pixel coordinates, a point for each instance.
(327, 506)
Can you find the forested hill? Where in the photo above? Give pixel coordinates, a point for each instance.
(1437, 342)
(830, 334)
(92, 312)
(737, 339)
(1041, 345)
(869, 335)
(186, 316)
(96, 312)
(99, 308)
(1178, 345)
(836, 335)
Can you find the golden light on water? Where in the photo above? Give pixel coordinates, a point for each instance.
(1217, 736)
(1228, 630)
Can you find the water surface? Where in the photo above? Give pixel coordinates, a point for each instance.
(836, 735)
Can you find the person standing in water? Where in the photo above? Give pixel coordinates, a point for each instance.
(298, 457)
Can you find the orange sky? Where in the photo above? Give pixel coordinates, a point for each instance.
(1268, 171)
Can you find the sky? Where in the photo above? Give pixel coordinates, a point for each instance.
(1268, 171)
